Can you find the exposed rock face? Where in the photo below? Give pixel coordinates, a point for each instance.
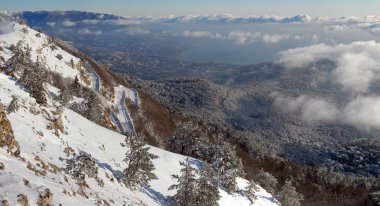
(7, 138)
(45, 198)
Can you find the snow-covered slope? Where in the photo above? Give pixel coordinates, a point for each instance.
(41, 49)
(44, 149)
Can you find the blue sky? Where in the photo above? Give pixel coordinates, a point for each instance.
(182, 7)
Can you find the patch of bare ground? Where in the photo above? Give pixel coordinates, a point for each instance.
(7, 138)
(152, 119)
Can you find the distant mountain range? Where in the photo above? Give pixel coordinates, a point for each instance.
(40, 16)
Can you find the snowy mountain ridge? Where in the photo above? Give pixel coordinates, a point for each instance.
(48, 135)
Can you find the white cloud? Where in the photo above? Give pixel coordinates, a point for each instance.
(90, 21)
(363, 112)
(89, 32)
(358, 63)
(201, 34)
(121, 22)
(6, 27)
(356, 71)
(134, 30)
(227, 19)
(372, 27)
(275, 38)
(358, 67)
(69, 23)
(51, 24)
(336, 28)
(241, 37)
(309, 109)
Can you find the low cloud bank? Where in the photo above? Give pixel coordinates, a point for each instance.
(361, 112)
(89, 32)
(206, 19)
(309, 108)
(202, 34)
(69, 23)
(358, 68)
(244, 37)
(6, 27)
(358, 63)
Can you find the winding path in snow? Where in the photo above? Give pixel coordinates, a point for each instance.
(95, 79)
(123, 120)
(128, 124)
(136, 97)
(117, 122)
(95, 85)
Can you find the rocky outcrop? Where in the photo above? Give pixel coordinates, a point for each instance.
(7, 138)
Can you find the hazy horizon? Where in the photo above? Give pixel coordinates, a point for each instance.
(198, 7)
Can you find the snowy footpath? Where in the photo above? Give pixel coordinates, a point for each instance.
(123, 115)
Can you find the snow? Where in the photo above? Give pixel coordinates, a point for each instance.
(123, 118)
(31, 122)
(41, 48)
(82, 135)
(95, 79)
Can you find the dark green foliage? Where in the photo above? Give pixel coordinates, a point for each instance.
(33, 74)
(266, 181)
(91, 108)
(192, 191)
(140, 167)
(81, 165)
(250, 191)
(13, 106)
(227, 166)
(288, 196)
(59, 57)
(189, 140)
(208, 193)
(186, 186)
(33, 79)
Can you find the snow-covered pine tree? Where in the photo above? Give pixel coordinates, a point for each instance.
(189, 140)
(76, 87)
(288, 196)
(140, 167)
(33, 74)
(267, 181)
(227, 166)
(94, 108)
(81, 165)
(65, 95)
(33, 79)
(186, 185)
(250, 191)
(207, 193)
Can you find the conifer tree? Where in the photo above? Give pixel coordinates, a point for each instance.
(33, 79)
(189, 140)
(250, 191)
(288, 196)
(94, 109)
(33, 75)
(227, 166)
(140, 167)
(207, 193)
(186, 185)
(65, 95)
(76, 87)
(193, 191)
(267, 181)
